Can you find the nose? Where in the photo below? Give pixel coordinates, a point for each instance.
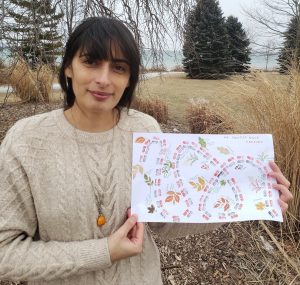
(103, 74)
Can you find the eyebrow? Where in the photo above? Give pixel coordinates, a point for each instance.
(121, 60)
(116, 59)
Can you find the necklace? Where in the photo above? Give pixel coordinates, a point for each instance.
(101, 219)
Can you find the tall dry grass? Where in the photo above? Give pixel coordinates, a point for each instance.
(274, 107)
(153, 106)
(44, 79)
(203, 117)
(3, 72)
(31, 85)
(154, 68)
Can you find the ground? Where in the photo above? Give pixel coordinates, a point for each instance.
(237, 253)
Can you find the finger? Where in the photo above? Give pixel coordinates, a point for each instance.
(283, 206)
(128, 212)
(285, 194)
(274, 166)
(128, 225)
(278, 174)
(280, 178)
(140, 227)
(133, 231)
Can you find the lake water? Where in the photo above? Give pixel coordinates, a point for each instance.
(172, 59)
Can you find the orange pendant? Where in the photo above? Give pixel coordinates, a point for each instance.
(101, 220)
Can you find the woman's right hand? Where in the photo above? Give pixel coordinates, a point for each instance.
(127, 240)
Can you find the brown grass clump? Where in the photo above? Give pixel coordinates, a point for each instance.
(4, 76)
(45, 76)
(22, 80)
(152, 106)
(31, 85)
(156, 68)
(274, 108)
(177, 68)
(204, 118)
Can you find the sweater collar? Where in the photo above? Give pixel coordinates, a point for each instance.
(83, 136)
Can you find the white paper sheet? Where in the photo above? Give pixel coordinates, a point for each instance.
(190, 178)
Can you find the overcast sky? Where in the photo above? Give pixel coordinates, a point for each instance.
(235, 8)
(257, 33)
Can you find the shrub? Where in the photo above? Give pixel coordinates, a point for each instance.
(44, 77)
(2, 65)
(152, 106)
(3, 73)
(204, 118)
(156, 68)
(31, 85)
(178, 68)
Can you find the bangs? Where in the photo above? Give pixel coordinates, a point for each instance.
(105, 39)
(96, 50)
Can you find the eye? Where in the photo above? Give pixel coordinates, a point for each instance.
(89, 62)
(120, 67)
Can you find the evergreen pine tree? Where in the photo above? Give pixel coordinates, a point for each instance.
(238, 46)
(33, 32)
(205, 49)
(290, 52)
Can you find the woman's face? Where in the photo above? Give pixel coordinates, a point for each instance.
(98, 86)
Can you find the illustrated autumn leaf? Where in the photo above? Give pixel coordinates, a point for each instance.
(200, 185)
(202, 142)
(148, 180)
(222, 203)
(201, 182)
(260, 206)
(167, 167)
(151, 209)
(226, 207)
(173, 197)
(169, 199)
(223, 150)
(168, 164)
(137, 169)
(140, 140)
(263, 156)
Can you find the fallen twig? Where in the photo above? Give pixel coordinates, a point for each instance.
(290, 261)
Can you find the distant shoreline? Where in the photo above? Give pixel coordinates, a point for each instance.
(171, 59)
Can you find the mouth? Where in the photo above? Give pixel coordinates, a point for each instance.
(100, 95)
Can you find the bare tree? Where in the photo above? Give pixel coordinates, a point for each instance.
(273, 16)
(156, 24)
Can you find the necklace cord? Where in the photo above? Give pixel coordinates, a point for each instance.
(101, 220)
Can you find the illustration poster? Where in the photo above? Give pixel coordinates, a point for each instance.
(190, 178)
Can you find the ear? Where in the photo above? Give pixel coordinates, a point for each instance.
(69, 71)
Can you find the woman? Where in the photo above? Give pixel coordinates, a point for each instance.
(66, 175)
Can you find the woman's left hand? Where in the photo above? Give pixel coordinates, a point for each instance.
(282, 186)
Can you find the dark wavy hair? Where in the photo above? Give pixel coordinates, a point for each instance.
(96, 37)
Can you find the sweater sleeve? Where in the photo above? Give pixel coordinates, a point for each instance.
(23, 258)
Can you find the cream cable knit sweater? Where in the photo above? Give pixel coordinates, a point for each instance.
(48, 231)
